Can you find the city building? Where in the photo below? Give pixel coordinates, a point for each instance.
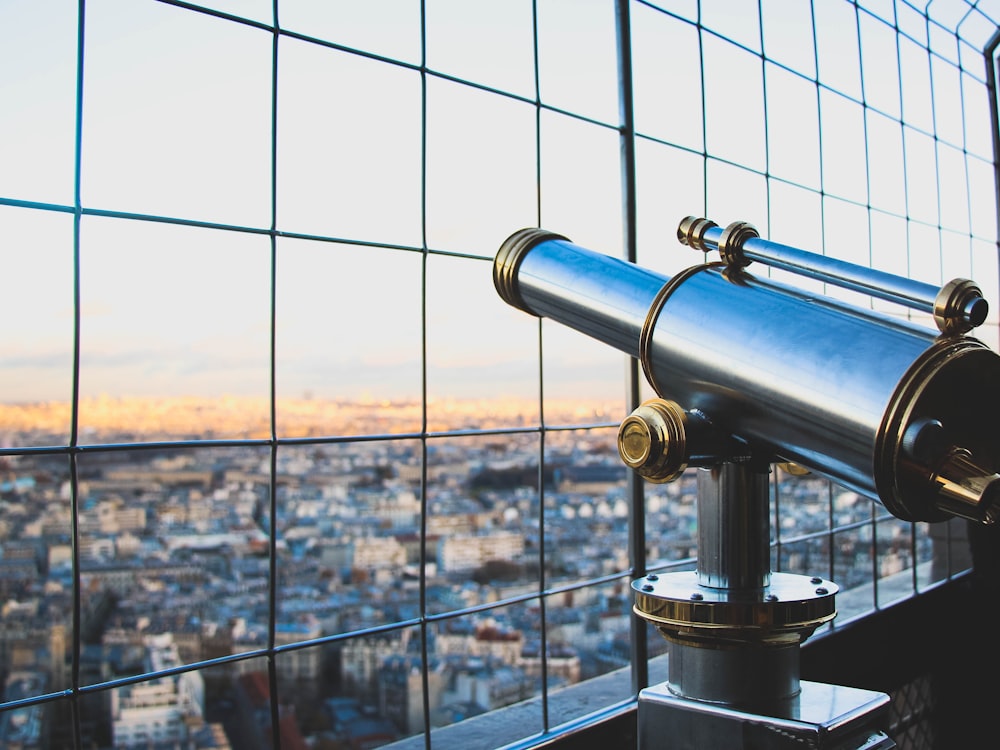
(162, 710)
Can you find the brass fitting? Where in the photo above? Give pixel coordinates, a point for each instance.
(691, 232)
(652, 440)
(959, 307)
(731, 243)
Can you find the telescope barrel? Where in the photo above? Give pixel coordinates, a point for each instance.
(845, 391)
(603, 297)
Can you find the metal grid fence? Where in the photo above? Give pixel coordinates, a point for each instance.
(301, 208)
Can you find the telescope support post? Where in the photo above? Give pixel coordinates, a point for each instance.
(734, 631)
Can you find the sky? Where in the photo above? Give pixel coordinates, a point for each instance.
(373, 162)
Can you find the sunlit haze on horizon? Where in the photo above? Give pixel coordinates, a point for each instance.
(376, 163)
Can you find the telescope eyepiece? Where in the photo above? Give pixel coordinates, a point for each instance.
(963, 488)
(966, 489)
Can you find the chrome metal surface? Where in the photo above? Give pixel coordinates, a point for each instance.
(957, 307)
(820, 717)
(827, 386)
(760, 675)
(798, 376)
(601, 296)
(734, 527)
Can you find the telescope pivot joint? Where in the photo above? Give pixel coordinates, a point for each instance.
(659, 440)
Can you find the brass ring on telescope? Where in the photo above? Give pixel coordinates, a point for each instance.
(508, 260)
(731, 242)
(646, 337)
(691, 232)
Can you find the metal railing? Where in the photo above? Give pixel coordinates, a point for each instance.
(338, 186)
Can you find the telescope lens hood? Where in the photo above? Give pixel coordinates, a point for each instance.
(508, 260)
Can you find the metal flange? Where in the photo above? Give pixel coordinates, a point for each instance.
(790, 608)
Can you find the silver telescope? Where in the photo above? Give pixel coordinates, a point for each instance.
(901, 413)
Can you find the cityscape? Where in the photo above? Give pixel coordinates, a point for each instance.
(371, 537)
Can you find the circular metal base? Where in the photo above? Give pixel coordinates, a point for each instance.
(791, 607)
(734, 646)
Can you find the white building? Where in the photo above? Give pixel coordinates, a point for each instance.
(463, 552)
(161, 709)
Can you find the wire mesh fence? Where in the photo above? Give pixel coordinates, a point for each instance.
(277, 463)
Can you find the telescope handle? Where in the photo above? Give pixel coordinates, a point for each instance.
(957, 307)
